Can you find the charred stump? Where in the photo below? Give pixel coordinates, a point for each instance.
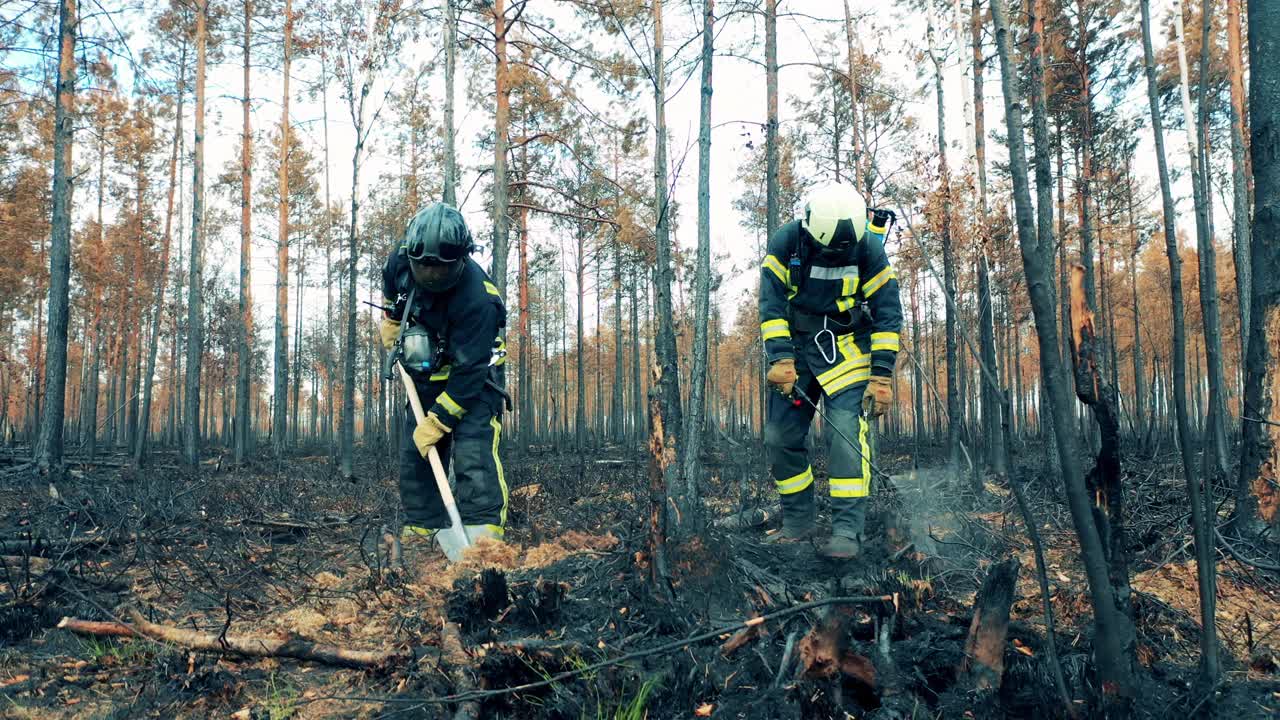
(983, 665)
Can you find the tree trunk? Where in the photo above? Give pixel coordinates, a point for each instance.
(917, 373)
(280, 415)
(580, 407)
(854, 99)
(450, 153)
(501, 131)
(1139, 391)
(195, 283)
(618, 413)
(348, 440)
(1200, 522)
(244, 356)
(1086, 160)
(993, 432)
(1215, 447)
(49, 446)
(1114, 636)
(1258, 495)
(1239, 172)
(771, 119)
(296, 389)
(685, 508)
(637, 395)
(695, 418)
(955, 419)
(1103, 481)
(140, 449)
(526, 338)
(983, 664)
(330, 390)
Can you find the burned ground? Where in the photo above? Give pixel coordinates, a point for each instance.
(289, 550)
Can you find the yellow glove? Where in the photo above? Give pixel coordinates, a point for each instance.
(878, 396)
(782, 374)
(389, 329)
(428, 433)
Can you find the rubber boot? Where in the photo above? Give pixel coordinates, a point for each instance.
(797, 518)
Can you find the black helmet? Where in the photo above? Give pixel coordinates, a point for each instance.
(437, 243)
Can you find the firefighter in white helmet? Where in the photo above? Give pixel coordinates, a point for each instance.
(830, 316)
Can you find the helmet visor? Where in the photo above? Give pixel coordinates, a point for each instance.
(416, 249)
(434, 275)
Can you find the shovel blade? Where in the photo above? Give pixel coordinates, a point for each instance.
(453, 542)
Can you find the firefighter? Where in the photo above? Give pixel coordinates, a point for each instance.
(830, 316)
(453, 349)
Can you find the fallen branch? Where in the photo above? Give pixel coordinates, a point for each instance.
(243, 645)
(1231, 549)
(587, 669)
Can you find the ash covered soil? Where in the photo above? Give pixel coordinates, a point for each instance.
(289, 555)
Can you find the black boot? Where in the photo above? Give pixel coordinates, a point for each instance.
(797, 518)
(848, 517)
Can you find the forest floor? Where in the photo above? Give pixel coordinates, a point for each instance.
(289, 550)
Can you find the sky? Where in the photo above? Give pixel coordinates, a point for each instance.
(738, 110)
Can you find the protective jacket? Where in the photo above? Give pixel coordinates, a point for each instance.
(465, 324)
(855, 296)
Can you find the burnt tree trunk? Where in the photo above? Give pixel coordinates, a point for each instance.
(1258, 492)
(661, 457)
(1103, 480)
(668, 359)
(1114, 637)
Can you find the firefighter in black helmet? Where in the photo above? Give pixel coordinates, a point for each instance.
(455, 353)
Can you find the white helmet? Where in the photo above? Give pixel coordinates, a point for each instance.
(835, 216)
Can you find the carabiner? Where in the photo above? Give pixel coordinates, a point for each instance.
(817, 340)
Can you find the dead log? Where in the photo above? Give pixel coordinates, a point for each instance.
(259, 646)
(20, 565)
(983, 665)
(457, 659)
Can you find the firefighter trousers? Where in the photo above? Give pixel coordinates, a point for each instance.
(473, 451)
(849, 465)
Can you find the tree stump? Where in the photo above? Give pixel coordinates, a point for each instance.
(983, 665)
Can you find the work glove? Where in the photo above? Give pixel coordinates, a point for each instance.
(389, 330)
(878, 396)
(429, 432)
(782, 374)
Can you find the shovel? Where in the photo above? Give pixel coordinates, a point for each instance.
(455, 540)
